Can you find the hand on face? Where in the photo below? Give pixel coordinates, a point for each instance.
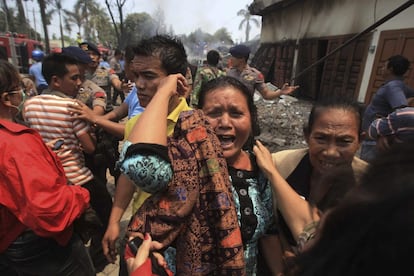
(174, 84)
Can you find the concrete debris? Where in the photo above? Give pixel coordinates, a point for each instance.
(281, 123)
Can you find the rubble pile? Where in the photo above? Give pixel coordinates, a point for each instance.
(281, 122)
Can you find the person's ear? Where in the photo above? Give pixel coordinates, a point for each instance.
(5, 98)
(55, 82)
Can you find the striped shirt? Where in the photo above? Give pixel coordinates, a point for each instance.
(399, 123)
(49, 115)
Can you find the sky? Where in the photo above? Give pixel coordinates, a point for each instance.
(185, 16)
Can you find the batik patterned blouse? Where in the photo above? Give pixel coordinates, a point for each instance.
(253, 198)
(251, 191)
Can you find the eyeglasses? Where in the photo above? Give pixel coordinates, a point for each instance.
(20, 91)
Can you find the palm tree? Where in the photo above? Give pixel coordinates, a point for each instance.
(8, 16)
(45, 22)
(58, 5)
(120, 34)
(23, 26)
(102, 26)
(247, 18)
(87, 8)
(73, 18)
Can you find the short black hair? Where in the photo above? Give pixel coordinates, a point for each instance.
(55, 65)
(213, 57)
(170, 50)
(129, 53)
(399, 64)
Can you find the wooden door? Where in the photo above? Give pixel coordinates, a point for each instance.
(342, 72)
(394, 42)
(263, 60)
(275, 62)
(283, 63)
(310, 51)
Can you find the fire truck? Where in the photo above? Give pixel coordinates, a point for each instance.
(17, 48)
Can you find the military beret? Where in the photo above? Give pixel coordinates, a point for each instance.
(240, 51)
(77, 53)
(87, 46)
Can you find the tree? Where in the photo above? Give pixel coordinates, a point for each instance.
(247, 18)
(138, 26)
(222, 35)
(22, 26)
(8, 17)
(58, 6)
(87, 9)
(103, 32)
(120, 34)
(45, 22)
(73, 18)
(159, 18)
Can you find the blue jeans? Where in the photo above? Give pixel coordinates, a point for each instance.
(31, 255)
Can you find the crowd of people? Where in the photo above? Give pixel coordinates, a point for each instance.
(208, 198)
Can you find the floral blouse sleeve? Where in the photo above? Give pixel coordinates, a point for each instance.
(147, 165)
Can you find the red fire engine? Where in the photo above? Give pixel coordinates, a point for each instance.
(18, 49)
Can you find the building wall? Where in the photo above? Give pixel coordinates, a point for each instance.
(325, 18)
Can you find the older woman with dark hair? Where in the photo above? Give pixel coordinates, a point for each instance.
(37, 207)
(305, 180)
(370, 231)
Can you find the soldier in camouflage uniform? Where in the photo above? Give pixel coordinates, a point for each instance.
(252, 77)
(205, 74)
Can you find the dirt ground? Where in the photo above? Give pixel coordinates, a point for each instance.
(281, 122)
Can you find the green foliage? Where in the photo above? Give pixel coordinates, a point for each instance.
(223, 36)
(92, 20)
(138, 26)
(247, 20)
(198, 42)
